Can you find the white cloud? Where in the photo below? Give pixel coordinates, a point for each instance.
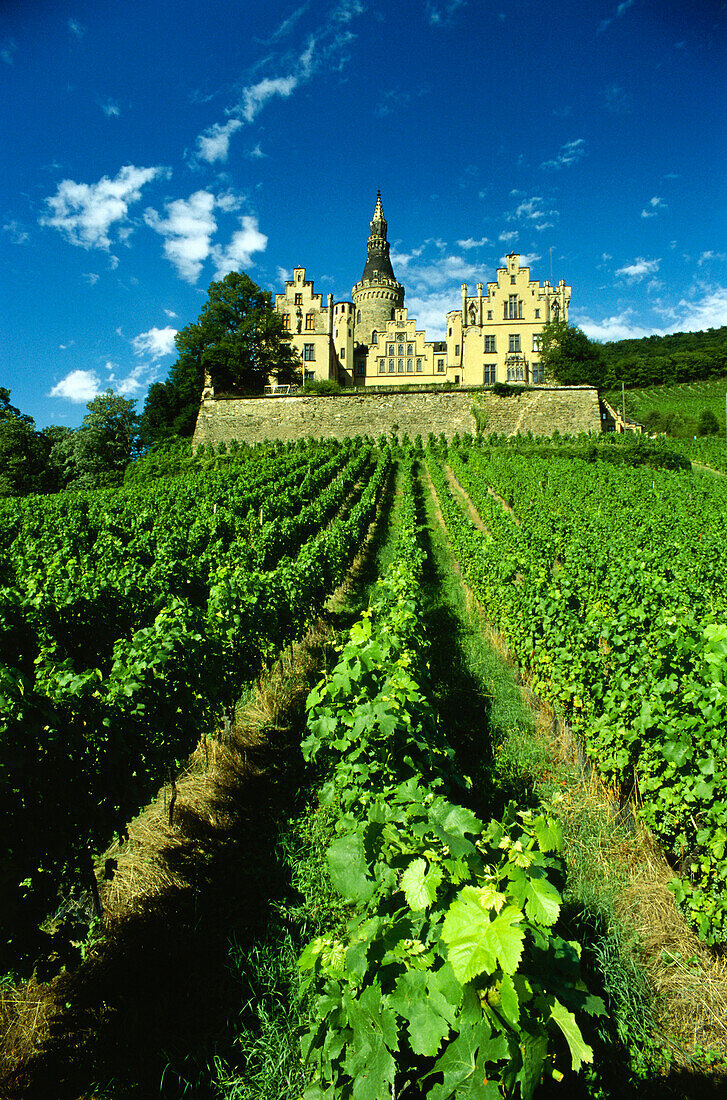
(283, 274)
(188, 229)
(569, 153)
(706, 257)
(111, 109)
(76, 28)
(15, 231)
(85, 213)
(533, 210)
(170, 313)
(257, 95)
(135, 382)
(156, 343)
(430, 310)
(91, 277)
(526, 259)
(256, 153)
(8, 49)
(618, 101)
(80, 386)
(639, 269)
(620, 9)
(709, 310)
(442, 12)
(239, 251)
(229, 201)
(470, 243)
(113, 262)
(654, 207)
(214, 143)
(509, 235)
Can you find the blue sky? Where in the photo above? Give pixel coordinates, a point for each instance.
(149, 147)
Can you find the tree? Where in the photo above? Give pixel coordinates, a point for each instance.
(708, 423)
(106, 441)
(569, 357)
(238, 339)
(23, 451)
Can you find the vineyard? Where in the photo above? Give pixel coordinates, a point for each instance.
(435, 952)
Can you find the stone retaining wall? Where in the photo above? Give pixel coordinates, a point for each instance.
(568, 409)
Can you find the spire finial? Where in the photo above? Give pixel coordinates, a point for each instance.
(378, 209)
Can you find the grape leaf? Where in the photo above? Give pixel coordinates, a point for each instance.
(348, 868)
(543, 901)
(579, 1050)
(478, 944)
(420, 885)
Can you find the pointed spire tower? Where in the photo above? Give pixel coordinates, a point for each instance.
(377, 294)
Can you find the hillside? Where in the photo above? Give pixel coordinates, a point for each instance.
(679, 405)
(679, 357)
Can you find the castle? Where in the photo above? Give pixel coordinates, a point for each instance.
(370, 341)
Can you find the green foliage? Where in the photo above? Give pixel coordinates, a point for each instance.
(708, 423)
(449, 976)
(569, 357)
(105, 443)
(129, 620)
(618, 614)
(322, 386)
(666, 360)
(23, 451)
(238, 338)
(675, 407)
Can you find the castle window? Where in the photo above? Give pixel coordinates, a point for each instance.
(490, 348)
(489, 315)
(537, 313)
(298, 300)
(401, 349)
(512, 280)
(391, 349)
(286, 321)
(391, 366)
(419, 366)
(513, 308)
(456, 349)
(401, 336)
(360, 368)
(537, 341)
(358, 318)
(374, 337)
(309, 353)
(310, 322)
(440, 365)
(514, 341)
(538, 376)
(409, 366)
(409, 349)
(400, 366)
(343, 351)
(490, 374)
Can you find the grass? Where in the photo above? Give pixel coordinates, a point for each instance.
(683, 399)
(519, 753)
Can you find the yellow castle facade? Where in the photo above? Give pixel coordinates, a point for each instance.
(494, 336)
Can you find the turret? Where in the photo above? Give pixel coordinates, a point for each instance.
(377, 294)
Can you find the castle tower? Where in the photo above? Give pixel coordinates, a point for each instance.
(377, 294)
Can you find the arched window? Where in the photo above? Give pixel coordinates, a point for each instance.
(374, 336)
(358, 318)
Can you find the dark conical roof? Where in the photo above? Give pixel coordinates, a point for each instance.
(377, 259)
